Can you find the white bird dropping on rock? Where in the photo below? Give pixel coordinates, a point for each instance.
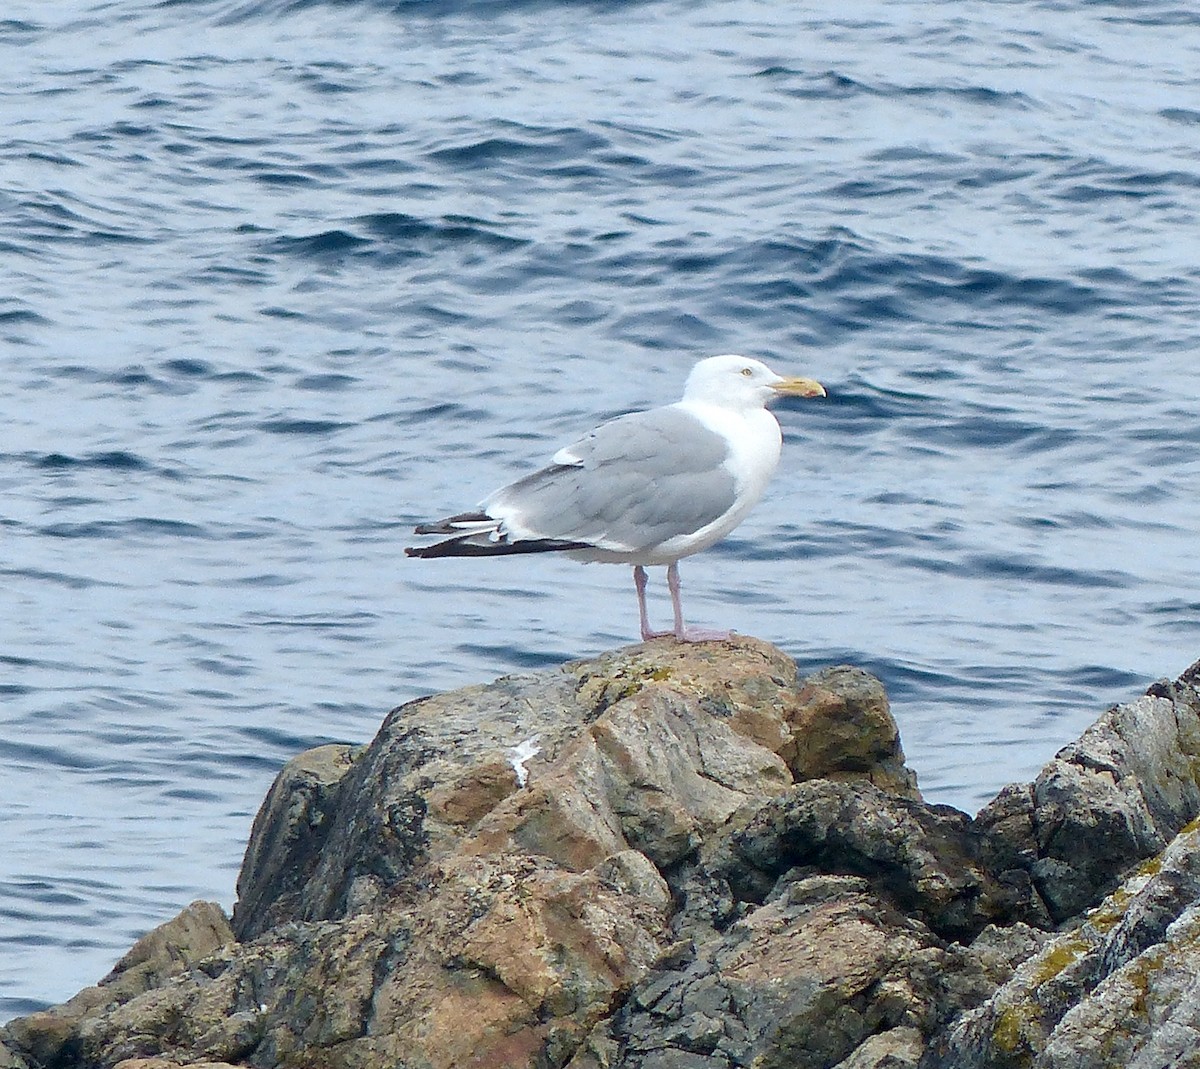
(520, 755)
(643, 489)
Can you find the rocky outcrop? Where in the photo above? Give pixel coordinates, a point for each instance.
(678, 857)
(1121, 988)
(55, 1037)
(1116, 796)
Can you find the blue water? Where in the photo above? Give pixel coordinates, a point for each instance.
(282, 278)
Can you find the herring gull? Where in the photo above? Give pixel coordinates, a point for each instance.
(644, 489)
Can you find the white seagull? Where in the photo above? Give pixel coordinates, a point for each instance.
(643, 489)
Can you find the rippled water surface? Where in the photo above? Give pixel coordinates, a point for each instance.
(283, 278)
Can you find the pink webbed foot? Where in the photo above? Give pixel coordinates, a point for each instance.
(681, 632)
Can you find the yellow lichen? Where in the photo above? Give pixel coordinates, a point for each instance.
(1152, 866)
(1106, 916)
(1138, 975)
(1059, 957)
(1012, 1033)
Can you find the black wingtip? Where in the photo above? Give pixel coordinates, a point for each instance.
(465, 547)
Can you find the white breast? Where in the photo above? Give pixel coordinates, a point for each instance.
(755, 443)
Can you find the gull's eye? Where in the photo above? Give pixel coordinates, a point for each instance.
(748, 371)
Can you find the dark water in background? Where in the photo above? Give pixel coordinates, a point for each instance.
(282, 278)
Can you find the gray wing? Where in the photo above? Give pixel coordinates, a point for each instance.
(630, 485)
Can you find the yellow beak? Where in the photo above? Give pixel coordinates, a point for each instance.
(799, 388)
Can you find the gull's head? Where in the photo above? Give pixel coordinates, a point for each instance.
(742, 382)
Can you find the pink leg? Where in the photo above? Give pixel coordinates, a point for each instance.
(682, 633)
(639, 581)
